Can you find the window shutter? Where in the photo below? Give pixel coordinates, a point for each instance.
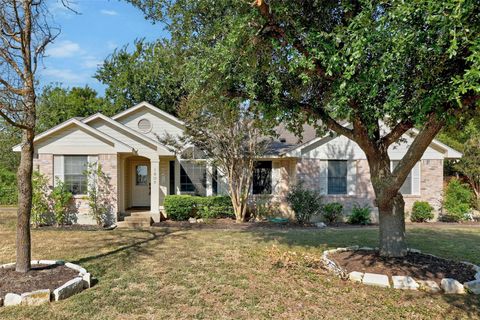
(58, 168)
(351, 177)
(323, 183)
(416, 179)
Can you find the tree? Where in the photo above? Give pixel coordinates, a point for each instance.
(57, 104)
(230, 138)
(150, 73)
(9, 137)
(383, 67)
(24, 34)
(469, 165)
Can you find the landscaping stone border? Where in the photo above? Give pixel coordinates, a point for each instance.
(38, 297)
(448, 285)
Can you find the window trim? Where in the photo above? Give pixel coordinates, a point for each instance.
(346, 178)
(412, 193)
(64, 173)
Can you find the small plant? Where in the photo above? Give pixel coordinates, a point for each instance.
(263, 207)
(100, 195)
(180, 207)
(305, 203)
(215, 207)
(458, 201)
(41, 201)
(62, 203)
(360, 215)
(422, 211)
(332, 212)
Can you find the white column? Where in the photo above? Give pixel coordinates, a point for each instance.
(155, 189)
(209, 169)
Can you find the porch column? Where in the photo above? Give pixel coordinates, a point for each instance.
(155, 188)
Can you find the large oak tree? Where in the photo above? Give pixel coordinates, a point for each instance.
(404, 64)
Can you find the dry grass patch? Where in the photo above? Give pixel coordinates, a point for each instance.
(172, 273)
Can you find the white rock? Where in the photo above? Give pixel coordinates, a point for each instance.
(353, 248)
(87, 280)
(36, 298)
(452, 286)
(320, 225)
(473, 286)
(414, 250)
(12, 299)
(429, 286)
(192, 220)
(49, 262)
(199, 220)
(355, 276)
(70, 288)
(8, 265)
(378, 280)
(75, 267)
(404, 282)
(477, 276)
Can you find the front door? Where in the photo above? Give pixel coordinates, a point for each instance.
(141, 184)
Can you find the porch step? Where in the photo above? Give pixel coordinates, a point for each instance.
(131, 224)
(140, 214)
(146, 219)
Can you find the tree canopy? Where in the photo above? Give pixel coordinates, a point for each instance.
(150, 72)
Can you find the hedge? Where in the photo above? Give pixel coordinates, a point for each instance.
(182, 207)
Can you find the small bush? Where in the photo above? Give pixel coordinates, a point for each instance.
(457, 202)
(360, 215)
(100, 195)
(41, 201)
(8, 187)
(332, 212)
(180, 207)
(215, 207)
(305, 203)
(62, 204)
(422, 211)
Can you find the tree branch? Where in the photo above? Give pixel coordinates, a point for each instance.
(11, 122)
(396, 133)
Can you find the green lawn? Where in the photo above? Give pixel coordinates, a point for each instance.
(223, 274)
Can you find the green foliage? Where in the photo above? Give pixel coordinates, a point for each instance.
(360, 215)
(332, 212)
(304, 202)
(9, 137)
(100, 195)
(215, 207)
(422, 211)
(457, 201)
(180, 207)
(469, 165)
(62, 207)
(57, 104)
(8, 187)
(152, 73)
(41, 201)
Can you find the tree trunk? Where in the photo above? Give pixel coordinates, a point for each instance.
(392, 227)
(24, 176)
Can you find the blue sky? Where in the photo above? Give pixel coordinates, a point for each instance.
(86, 39)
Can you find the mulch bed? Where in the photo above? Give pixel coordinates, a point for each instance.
(231, 224)
(417, 265)
(38, 278)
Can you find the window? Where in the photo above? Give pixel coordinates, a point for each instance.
(193, 178)
(141, 175)
(74, 174)
(144, 125)
(407, 184)
(262, 177)
(337, 177)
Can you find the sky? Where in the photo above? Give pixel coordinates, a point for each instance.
(87, 38)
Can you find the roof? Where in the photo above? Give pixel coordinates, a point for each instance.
(287, 140)
(152, 108)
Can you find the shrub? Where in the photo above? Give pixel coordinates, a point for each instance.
(100, 195)
(62, 204)
(41, 201)
(360, 215)
(215, 207)
(305, 203)
(422, 211)
(180, 207)
(8, 187)
(457, 202)
(332, 212)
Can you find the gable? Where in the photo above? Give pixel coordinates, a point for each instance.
(342, 148)
(74, 140)
(159, 122)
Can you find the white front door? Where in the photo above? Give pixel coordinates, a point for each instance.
(141, 184)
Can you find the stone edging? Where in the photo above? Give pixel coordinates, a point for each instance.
(37, 297)
(448, 285)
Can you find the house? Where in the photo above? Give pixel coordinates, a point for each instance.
(142, 171)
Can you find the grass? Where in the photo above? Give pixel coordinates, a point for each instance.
(173, 273)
